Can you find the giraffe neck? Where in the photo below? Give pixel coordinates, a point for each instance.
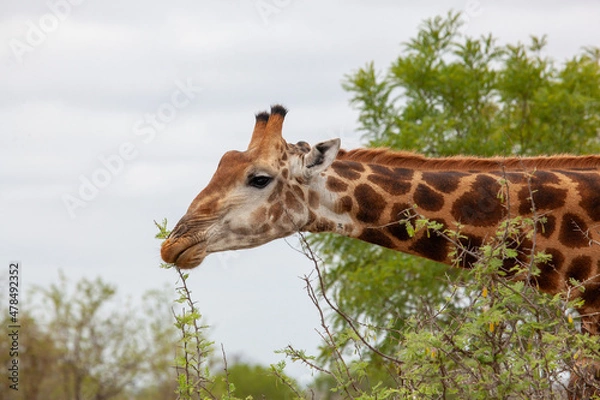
(365, 194)
(373, 203)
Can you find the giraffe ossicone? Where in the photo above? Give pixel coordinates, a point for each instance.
(274, 189)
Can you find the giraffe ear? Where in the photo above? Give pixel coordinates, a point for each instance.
(320, 157)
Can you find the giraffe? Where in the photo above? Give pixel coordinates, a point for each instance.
(275, 189)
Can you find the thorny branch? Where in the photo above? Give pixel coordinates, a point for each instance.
(310, 254)
(193, 357)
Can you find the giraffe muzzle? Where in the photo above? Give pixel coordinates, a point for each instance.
(183, 252)
(186, 245)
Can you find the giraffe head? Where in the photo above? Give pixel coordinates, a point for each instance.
(255, 196)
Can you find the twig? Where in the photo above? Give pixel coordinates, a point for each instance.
(348, 320)
(226, 369)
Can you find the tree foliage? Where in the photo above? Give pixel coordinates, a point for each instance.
(82, 342)
(251, 381)
(450, 94)
(506, 340)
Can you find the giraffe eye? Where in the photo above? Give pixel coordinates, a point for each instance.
(259, 181)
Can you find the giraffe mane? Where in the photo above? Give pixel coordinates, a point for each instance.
(392, 158)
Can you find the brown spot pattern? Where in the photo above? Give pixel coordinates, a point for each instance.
(544, 198)
(344, 205)
(275, 211)
(434, 247)
(397, 229)
(301, 147)
(276, 192)
(390, 185)
(336, 185)
(549, 277)
(356, 166)
(392, 181)
(291, 202)
(259, 213)
(572, 230)
(348, 169)
(399, 211)
(446, 181)
(580, 268)
(591, 295)
(369, 203)
(481, 206)
(545, 177)
(324, 225)
(536, 177)
(547, 228)
(375, 236)
(427, 198)
(404, 173)
(311, 217)
(557, 258)
(588, 186)
(380, 169)
(299, 192)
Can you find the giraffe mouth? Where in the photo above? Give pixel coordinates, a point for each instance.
(183, 253)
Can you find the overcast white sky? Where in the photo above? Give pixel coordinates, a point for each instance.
(80, 81)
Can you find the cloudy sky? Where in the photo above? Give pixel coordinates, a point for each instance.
(140, 99)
